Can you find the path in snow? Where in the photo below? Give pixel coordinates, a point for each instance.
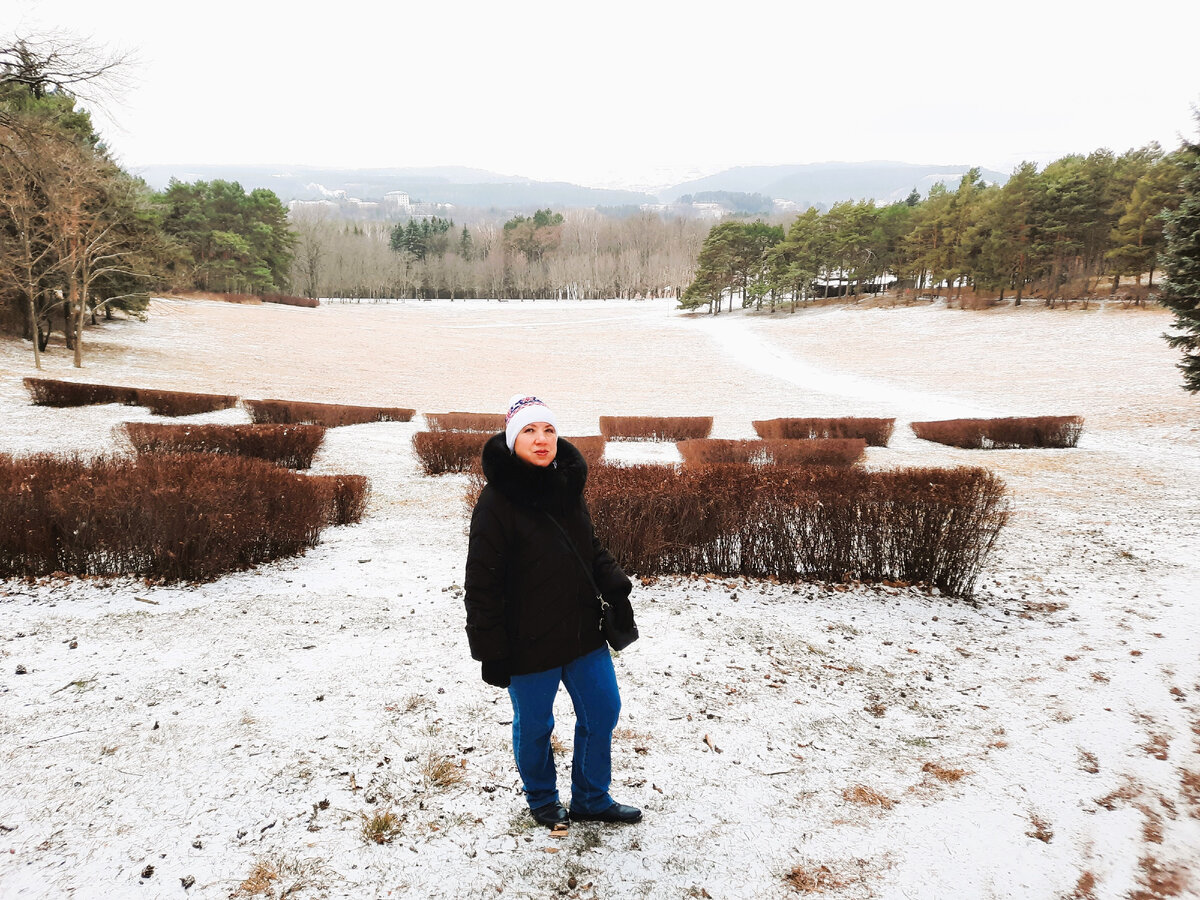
(757, 354)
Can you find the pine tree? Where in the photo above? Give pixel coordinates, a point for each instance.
(1181, 263)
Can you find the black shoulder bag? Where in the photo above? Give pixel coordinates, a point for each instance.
(618, 638)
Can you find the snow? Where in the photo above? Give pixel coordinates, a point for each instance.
(194, 728)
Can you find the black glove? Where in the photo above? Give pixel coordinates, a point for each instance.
(495, 672)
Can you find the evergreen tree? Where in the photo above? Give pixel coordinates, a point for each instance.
(1181, 263)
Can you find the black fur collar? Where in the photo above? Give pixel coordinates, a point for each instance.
(557, 487)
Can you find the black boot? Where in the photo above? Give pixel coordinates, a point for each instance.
(618, 813)
(552, 814)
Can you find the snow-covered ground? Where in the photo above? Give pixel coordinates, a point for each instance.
(1043, 742)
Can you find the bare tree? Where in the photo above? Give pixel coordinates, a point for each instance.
(61, 63)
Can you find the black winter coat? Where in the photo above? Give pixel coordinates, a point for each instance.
(528, 599)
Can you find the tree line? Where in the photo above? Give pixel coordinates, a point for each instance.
(81, 237)
(583, 254)
(1063, 233)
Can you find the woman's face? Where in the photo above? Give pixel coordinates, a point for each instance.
(537, 444)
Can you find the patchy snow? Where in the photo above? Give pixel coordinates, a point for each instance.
(205, 730)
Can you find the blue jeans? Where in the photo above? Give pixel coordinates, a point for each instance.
(592, 684)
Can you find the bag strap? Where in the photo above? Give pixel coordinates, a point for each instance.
(575, 550)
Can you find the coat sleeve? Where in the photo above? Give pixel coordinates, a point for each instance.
(484, 582)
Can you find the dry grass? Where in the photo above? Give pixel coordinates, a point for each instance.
(1189, 786)
(441, 770)
(1157, 745)
(277, 878)
(1159, 880)
(260, 880)
(381, 827)
(1040, 829)
(1152, 824)
(1085, 887)
(944, 773)
(1127, 791)
(817, 879)
(861, 795)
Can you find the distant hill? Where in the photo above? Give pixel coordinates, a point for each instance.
(827, 183)
(820, 184)
(444, 184)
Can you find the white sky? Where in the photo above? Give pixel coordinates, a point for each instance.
(635, 92)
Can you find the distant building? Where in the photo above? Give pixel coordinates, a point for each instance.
(397, 202)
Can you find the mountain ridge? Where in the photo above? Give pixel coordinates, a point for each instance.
(803, 184)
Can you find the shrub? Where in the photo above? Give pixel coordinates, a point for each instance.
(331, 415)
(655, 428)
(590, 447)
(293, 446)
(51, 392)
(876, 432)
(288, 300)
(449, 451)
(226, 297)
(182, 403)
(168, 517)
(465, 421)
(829, 452)
(1009, 433)
(345, 497)
(934, 526)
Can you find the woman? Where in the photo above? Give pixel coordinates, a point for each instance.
(534, 568)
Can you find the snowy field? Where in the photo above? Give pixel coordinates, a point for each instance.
(231, 739)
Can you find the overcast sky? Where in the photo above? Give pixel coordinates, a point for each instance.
(635, 92)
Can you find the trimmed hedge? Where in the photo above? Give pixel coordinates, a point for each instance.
(293, 446)
(590, 447)
(166, 517)
(1008, 433)
(183, 403)
(931, 526)
(449, 451)
(829, 452)
(655, 428)
(290, 300)
(285, 299)
(50, 392)
(345, 497)
(876, 432)
(465, 421)
(460, 451)
(331, 415)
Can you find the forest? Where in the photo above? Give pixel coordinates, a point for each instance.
(1069, 232)
(80, 237)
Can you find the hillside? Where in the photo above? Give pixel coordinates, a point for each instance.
(817, 183)
(830, 182)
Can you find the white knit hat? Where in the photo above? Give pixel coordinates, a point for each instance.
(523, 409)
